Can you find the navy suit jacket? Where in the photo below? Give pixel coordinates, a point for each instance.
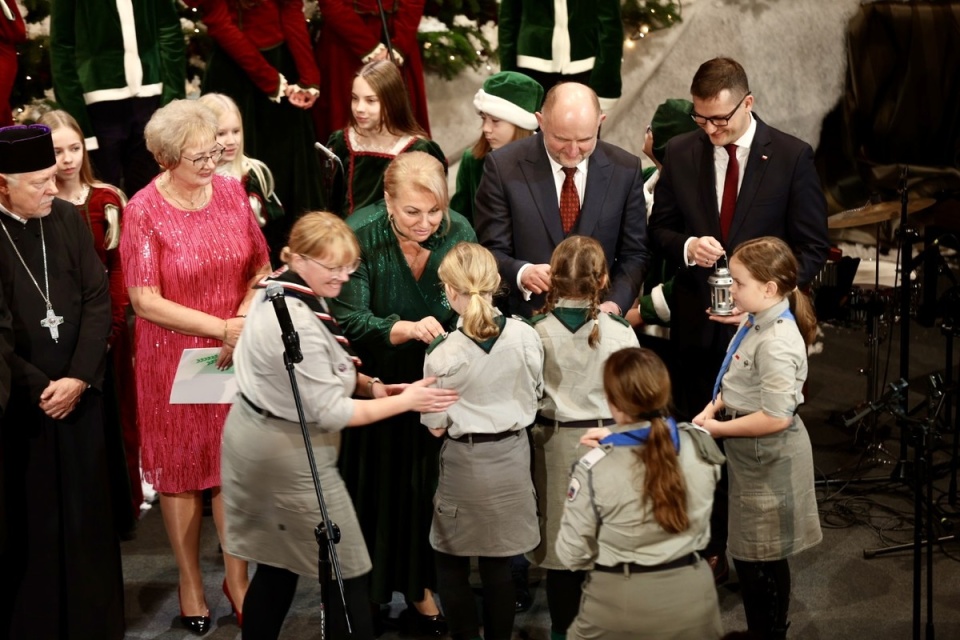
(780, 195)
(517, 216)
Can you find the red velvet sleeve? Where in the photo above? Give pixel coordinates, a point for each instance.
(294, 26)
(223, 29)
(339, 17)
(12, 31)
(119, 298)
(405, 24)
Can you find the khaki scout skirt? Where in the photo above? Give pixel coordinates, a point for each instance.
(773, 505)
(269, 500)
(485, 504)
(675, 604)
(555, 451)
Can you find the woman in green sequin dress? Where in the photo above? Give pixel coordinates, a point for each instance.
(381, 127)
(391, 310)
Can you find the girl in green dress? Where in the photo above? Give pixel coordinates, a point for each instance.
(381, 127)
(507, 105)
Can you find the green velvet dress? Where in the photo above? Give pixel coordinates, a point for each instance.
(391, 468)
(364, 169)
(468, 180)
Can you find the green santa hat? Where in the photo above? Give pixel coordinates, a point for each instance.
(670, 119)
(511, 96)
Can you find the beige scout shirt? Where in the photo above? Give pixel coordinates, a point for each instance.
(605, 520)
(326, 377)
(572, 370)
(769, 367)
(499, 391)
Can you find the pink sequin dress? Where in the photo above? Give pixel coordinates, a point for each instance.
(202, 260)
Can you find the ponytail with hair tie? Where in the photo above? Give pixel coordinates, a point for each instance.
(652, 415)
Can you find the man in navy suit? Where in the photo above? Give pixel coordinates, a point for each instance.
(775, 191)
(518, 211)
(779, 195)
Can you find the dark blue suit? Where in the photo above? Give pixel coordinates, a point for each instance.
(518, 215)
(780, 196)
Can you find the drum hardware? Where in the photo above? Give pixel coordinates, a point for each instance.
(875, 213)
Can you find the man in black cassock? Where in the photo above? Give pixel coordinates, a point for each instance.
(60, 565)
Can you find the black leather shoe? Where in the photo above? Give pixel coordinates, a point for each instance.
(524, 599)
(420, 624)
(720, 568)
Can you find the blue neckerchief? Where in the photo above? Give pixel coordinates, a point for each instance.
(639, 436)
(735, 344)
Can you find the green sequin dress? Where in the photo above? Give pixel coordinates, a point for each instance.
(391, 468)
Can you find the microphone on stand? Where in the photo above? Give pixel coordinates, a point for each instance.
(331, 156)
(291, 339)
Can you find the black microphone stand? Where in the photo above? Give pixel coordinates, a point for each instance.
(327, 532)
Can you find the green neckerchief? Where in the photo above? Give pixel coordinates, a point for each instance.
(487, 344)
(572, 317)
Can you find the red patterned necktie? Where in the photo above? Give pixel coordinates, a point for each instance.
(569, 201)
(729, 202)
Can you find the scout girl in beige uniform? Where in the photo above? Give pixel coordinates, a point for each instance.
(773, 508)
(577, 339)
(637, 509)
(485, 504)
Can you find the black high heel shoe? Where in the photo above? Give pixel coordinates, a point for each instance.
(198, 625)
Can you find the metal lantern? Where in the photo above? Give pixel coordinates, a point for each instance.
(720, 281)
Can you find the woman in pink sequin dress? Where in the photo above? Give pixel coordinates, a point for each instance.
(190, 249)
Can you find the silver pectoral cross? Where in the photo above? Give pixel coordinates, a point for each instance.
(51, 322)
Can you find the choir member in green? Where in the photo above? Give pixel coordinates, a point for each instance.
(507, 104)
(381, 127)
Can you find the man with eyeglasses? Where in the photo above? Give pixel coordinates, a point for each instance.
(734, 179)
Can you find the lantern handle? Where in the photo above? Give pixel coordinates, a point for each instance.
(724, 258)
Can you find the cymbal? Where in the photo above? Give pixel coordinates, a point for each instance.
(874, 213)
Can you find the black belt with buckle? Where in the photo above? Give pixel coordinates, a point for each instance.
(631, 567)
(574, 424)
(475, 438)
(729, 414)
(262, 412)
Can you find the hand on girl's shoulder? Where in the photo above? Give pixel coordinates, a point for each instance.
(436, 342)
(706, 446)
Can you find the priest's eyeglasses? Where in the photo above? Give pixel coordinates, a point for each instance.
(344, 269)
(214, 157)
(718, 121)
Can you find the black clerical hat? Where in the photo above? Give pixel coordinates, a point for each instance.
(26, 148)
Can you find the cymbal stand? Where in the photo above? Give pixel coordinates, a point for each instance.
(906, 235)
(875, 452)
(950, 327)
(923, 433)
